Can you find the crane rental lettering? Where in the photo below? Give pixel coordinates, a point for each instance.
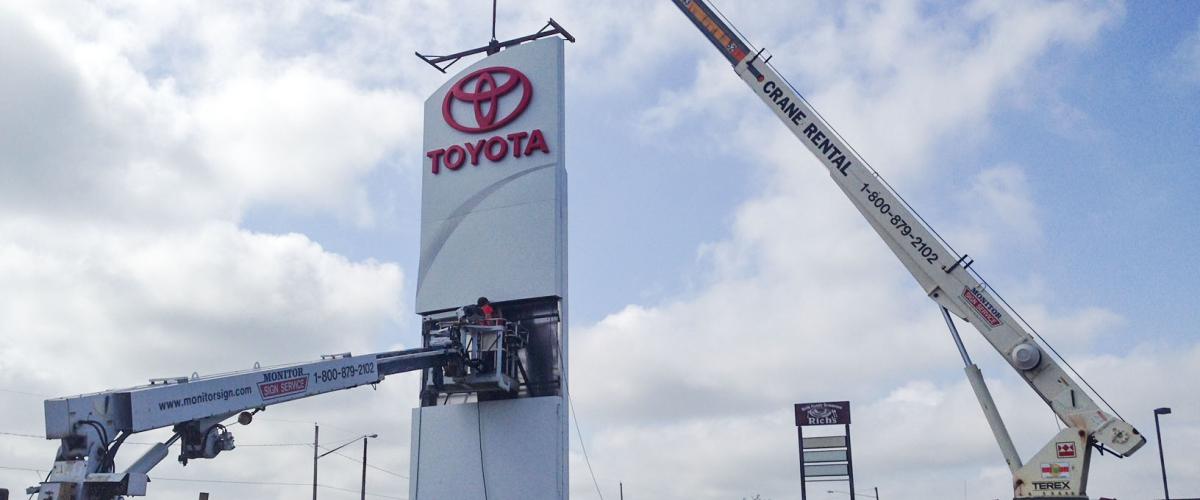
(819, 138)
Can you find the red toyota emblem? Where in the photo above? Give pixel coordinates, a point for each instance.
(484, 96)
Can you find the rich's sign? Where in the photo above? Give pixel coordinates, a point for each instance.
(830, 413)
(483, 101)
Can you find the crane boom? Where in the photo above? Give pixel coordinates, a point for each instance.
(467, 352)
(92, 427)
(944, 276)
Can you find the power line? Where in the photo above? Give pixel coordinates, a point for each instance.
(1052, 349)
(20, 435)
(342, 429)
(357, 461)
(214, 481)
(239, 445)
(356, 491)
(230, 481)
(276, 444)
(23, 393)
(286, 421)
(575, 417)
(143, 443)
(306, 422)
(482, 462)
(269, 483)
(250, 483)
(25, 469)
(322, 424)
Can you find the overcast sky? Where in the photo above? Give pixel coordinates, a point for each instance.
(199, 186)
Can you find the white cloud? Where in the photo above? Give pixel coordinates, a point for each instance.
(157, 296)
(1004, 190)
(297, 139)
(997, 213)
(92, 124)
(1187, 58)
(624, 44)
(707, 95)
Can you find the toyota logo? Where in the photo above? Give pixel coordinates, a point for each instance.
(480, 90)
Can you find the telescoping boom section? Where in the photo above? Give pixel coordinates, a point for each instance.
(469, 353)
(92, 427)
(945, 277)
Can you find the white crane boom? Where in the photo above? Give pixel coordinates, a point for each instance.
(945, 278)
(92, 427)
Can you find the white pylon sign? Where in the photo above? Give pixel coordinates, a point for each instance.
(494, 225)
(493, 195)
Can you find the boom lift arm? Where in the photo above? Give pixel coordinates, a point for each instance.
(92, 427)
(468, 353)
(1059, 469)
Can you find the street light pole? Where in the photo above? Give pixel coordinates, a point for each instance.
(364, 471)
(1162, 461)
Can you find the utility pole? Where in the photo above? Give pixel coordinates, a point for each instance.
(364, 471)
(316, 442)
(622, 490)
(319, 456)
(876, 493)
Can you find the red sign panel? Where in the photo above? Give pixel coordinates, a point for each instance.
(985, 309)
(1065, 449)
(272, 390)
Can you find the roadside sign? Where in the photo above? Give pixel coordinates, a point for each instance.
(829, 413)
(824, 458)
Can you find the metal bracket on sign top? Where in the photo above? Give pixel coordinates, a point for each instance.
(442, 63)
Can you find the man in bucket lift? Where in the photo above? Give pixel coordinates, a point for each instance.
(491, 316)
